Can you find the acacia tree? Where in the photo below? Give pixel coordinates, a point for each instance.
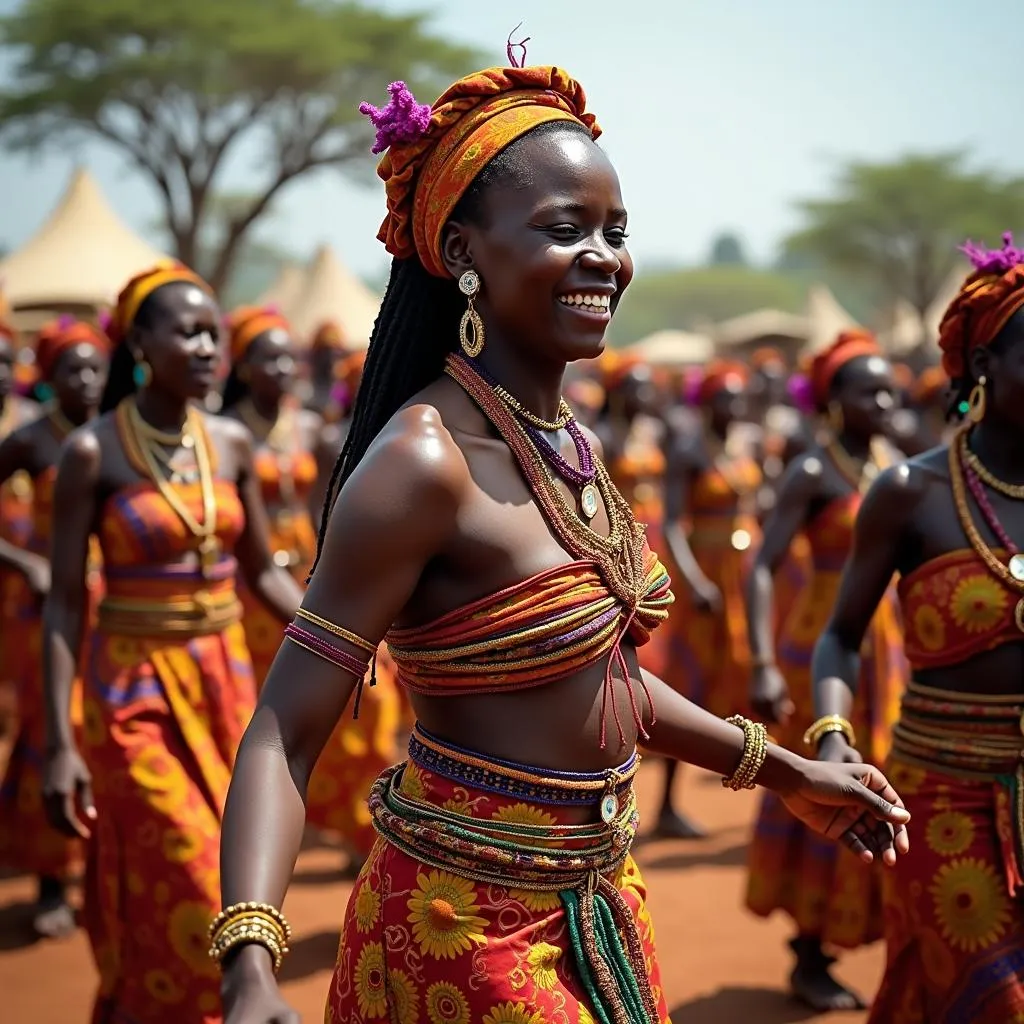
(189, 92)
(896, 226)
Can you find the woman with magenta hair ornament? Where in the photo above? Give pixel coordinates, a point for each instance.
(472, 522)
(951, 523)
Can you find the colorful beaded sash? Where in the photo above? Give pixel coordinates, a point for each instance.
(572, 860)
(519, 782)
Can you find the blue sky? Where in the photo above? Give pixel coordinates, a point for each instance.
(718, 113)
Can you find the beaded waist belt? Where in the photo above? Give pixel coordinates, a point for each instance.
(974, 735)
(197, 614)
(605, 944)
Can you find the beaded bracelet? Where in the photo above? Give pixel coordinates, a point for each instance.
(250, 923)
(826, 724)
(755, 751)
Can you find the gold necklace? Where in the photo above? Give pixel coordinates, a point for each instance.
(1015, 491)
(550, 426)
(983, 551)
(140, 435)
(860, 476)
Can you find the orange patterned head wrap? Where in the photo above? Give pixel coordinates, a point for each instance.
(58, 336)
(247, 323)
(984, 304)
(350, 370)
(826, 364)
(434, 153)
(140, 287)
(720, 375)
(329, 337)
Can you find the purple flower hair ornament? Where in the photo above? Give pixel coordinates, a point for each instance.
(402, 120)
(105, 319)
(801, 392)
(65, 320)
(994, 261)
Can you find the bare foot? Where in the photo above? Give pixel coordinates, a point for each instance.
(53, 919)
(672, 825)
(814, 985)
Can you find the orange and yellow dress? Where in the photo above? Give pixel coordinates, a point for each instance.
(168, 692)
(954, 906)
(827, 891)
(27, 841)
(360, 749)
(710, 654)
(16, 527)
(458, 919)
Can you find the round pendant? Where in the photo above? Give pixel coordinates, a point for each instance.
(1016, 568)
(188, 441)
(609, 807)
(589, 501)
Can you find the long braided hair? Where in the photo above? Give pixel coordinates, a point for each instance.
(418, 325)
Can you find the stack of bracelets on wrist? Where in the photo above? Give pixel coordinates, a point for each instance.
(244, 924)
(826, 724)
(755, 750)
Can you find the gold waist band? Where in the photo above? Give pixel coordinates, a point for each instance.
(975, 735)
(199, 614)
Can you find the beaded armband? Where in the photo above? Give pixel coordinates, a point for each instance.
(329, 651)
(755, 750)
(245, 924)
(826, 724)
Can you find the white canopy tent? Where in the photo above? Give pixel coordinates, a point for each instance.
(331, 292)
(826, 318)
(286, 289)
(80, 258)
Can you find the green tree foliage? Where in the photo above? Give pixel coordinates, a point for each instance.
(895, 227)
(727, 250)
(187, 91)
(690, 299)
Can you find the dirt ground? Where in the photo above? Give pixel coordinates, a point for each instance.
(720, 964)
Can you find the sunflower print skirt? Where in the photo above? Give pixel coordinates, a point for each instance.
(954, 907)
(421, 945)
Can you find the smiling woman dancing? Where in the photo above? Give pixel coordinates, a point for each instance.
(472, 522)
(951, 522)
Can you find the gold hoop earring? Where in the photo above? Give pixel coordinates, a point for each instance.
(977, 401)
(471, 329)
(142, 372)
(835, 418)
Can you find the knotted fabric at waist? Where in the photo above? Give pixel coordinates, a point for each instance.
(975, 735)
(523, 846)
(169, 600)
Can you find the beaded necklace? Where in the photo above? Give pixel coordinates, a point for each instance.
(619, 557)
(963, 478)
(139, 440)
(1015, 491)
(583, 477)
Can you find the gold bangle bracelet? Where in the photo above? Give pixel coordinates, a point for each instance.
(755, 751)
(238, 910)
(826, 724)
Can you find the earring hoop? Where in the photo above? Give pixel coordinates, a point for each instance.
(471, 327)
(977, 401)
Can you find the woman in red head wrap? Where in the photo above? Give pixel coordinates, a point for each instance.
(71, 358)
(950, 522)
(170, 495)
(473, 524)
(327, 354)
(294, 452)
(832, 900)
